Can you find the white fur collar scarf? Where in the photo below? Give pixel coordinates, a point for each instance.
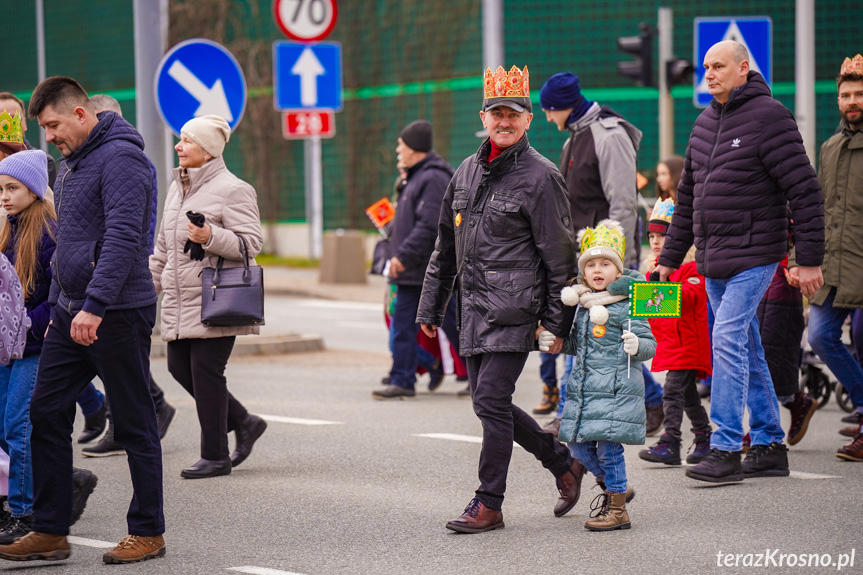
(578, 294)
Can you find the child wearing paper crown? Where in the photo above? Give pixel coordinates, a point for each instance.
(605, 403)
(682, 348)
(28, 241)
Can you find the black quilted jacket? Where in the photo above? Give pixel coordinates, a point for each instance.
(505, 233)
(103, 196)
(745, 163)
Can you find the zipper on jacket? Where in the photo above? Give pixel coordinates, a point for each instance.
(177, 265)
(57, 243)
(706, 180)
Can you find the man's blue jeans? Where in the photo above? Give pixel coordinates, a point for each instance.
(16, 387)
(825, 338)
(605, 460)
(740, 374)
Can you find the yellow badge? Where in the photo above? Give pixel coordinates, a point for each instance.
(598, 330)
(457, 220)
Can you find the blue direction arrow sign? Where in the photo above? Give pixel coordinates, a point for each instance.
(199, 77)
(307, 76)
(756, 33)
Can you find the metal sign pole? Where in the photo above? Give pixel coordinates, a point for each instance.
(804, 75)
(666, 102)
(314, 197)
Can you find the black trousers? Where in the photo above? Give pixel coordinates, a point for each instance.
(121, 359)
(199, 366)
(680, 394)
(492, 379)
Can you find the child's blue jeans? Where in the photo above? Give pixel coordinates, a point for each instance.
(605, 460)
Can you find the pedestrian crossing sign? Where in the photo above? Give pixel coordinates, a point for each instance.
(654, 299)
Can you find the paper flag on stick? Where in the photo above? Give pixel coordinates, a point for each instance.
(381, 212)
(654, 299)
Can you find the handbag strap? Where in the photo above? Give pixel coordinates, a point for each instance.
(247, 275)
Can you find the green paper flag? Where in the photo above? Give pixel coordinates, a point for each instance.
(654, 299)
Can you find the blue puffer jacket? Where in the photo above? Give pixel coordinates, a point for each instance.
(604, 399)
(103, 197)
(38, 308)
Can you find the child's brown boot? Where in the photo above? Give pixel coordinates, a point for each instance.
(612, 515)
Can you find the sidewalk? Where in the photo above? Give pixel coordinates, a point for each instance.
(303, 282)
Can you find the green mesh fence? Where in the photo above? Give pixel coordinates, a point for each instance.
(409, 59)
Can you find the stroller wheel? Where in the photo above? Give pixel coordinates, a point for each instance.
(843, 399)
(816, 384)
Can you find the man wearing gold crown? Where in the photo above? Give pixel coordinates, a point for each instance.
(505, 234)
(745, 167)
(840, 173)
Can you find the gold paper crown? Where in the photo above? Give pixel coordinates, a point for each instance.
(607, 234)
(516, 84)
(852, 66)
(663, 210)
(10, 128)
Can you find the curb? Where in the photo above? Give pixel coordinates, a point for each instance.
(258, 345)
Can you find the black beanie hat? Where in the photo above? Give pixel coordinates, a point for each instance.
(418, 136)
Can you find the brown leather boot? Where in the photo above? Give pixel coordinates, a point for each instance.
(134, 548)
(477, 518)
(550, 397)
(613, 517)
(569, 486)
(37, 546)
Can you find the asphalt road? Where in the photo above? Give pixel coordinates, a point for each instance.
(342, 484)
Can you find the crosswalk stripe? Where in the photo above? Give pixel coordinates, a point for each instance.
(804, 475)
(252, 570)
(90, 542)
(299, 421)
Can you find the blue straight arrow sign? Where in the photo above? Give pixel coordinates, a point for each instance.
(307, 76)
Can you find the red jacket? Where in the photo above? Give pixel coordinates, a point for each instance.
(684, 343)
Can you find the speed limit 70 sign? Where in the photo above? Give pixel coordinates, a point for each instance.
(298, 124)
(306, 20)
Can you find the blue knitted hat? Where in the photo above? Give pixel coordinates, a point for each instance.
(30, 167)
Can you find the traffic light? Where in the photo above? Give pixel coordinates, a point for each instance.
(678, 71)
(641, 46)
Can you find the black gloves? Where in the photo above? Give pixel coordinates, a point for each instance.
(195, 250)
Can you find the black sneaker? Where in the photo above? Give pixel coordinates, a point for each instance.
(718, 467)
(164, 417)
(106, 446)
(15, 528)
(394, 392)
(766, 461)
(94, 425)
(436, 375)
(83, 484)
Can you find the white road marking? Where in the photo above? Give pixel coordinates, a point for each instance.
(261, 570)
(451, 437)
(298, 421)
(91, 542)
(804, 475)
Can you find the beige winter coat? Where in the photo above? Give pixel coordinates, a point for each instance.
(231, 208)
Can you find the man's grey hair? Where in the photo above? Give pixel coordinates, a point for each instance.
(103, 102)
(738, 51)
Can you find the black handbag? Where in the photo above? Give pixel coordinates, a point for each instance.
(233, 296)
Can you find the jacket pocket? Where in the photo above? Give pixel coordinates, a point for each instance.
(510, 299)
(502, 214)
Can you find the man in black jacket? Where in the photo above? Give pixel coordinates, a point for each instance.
(745, 167)
(413, 236)
(505, 239)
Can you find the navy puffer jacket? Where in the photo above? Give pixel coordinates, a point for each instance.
(417, 215)
(745, 165)
(103, 197)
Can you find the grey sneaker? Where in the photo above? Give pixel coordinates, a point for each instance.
(394, 392)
